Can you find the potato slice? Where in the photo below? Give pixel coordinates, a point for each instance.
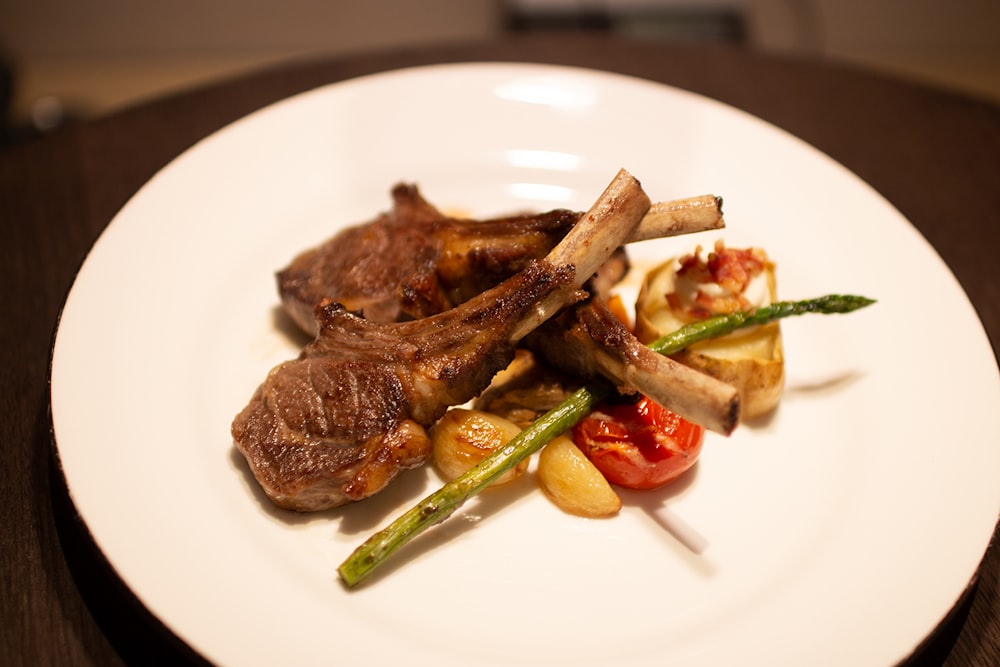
(572, 482)
(752, 360)
(759, 376)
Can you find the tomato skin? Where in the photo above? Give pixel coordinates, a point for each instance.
(639, 445)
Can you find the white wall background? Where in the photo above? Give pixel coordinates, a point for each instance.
(954, 43)
(97, 55)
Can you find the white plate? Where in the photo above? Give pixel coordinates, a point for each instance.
(840, 532)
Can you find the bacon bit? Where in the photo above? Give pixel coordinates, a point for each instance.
(730, 268)
(720, 304)
(689, 312)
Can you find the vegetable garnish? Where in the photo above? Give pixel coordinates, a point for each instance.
(638, 444)
(442, 503)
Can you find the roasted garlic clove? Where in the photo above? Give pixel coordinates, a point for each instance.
(572, 482)
(462, 438)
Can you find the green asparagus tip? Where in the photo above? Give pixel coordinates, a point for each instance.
(842, 303)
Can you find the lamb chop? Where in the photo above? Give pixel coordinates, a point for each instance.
(413, 261)
(587, 340)
(338, 423)
(363, 266)
(418, 262)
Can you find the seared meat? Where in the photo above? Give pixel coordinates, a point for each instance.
(588, 340)
(414, 261)
(338, 423)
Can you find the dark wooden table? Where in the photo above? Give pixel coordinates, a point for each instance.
(934, 155)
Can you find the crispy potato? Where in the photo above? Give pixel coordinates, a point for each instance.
(462, 438)
(752, 360)
(572, 482)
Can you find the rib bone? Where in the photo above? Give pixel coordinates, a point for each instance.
(592, 240)
(679, 216)
(588, 340)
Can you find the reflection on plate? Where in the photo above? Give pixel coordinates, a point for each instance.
(838, 532)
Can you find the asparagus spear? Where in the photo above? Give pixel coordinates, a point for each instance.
(439, 505)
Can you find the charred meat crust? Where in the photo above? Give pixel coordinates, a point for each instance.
(339, 422)
(587, 340)
(413, 261)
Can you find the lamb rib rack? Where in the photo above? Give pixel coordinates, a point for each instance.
(342, 420)
(413, 261)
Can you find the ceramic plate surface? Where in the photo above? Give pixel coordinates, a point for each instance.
(838, 532)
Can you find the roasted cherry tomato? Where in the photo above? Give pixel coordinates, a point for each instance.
(639, 445)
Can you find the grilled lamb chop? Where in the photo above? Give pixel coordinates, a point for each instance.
(342, 420)
(414, 261)
(363, 267)
(588, 340)
(417, 262)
